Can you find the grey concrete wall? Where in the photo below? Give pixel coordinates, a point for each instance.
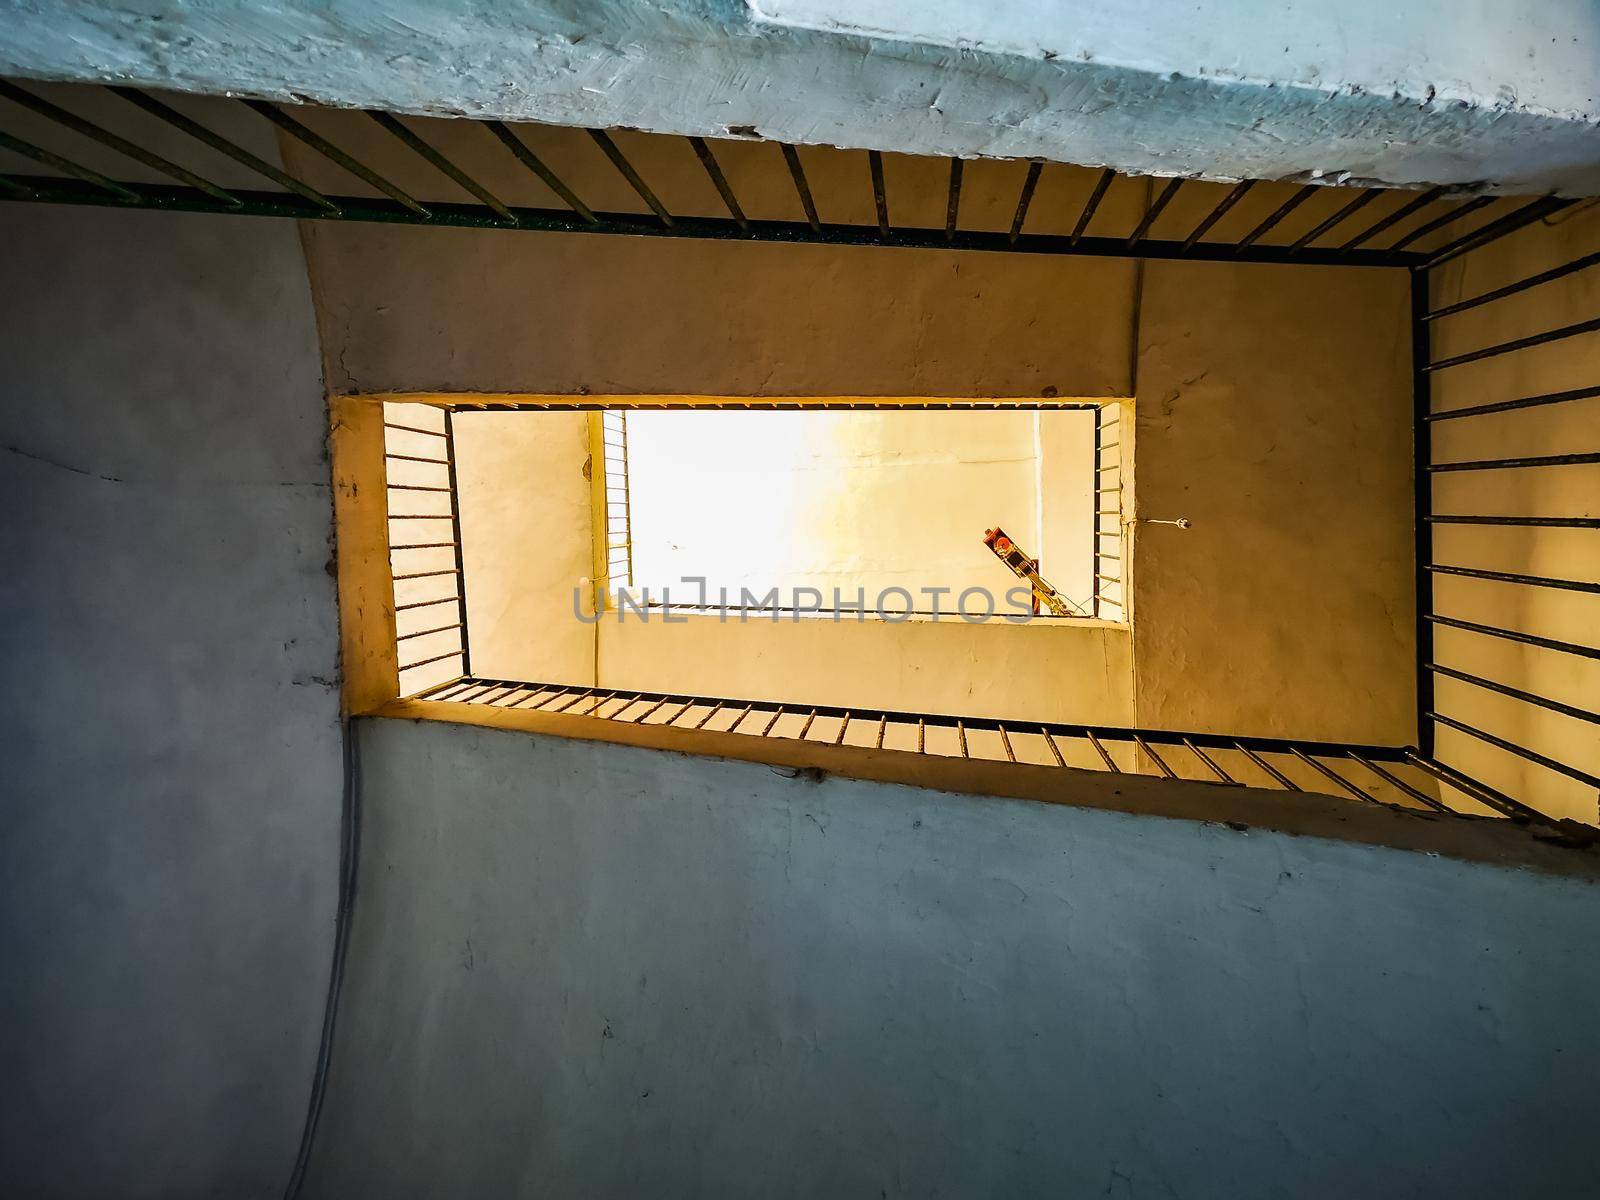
(170, 792)
(587, 970)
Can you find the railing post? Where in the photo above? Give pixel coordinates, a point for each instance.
(455, 525)
(1422, 482)
(1094, 545)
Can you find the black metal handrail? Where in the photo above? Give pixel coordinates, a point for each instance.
(300, 201)
(404, 567)
(1380, 770)
(1426, 319)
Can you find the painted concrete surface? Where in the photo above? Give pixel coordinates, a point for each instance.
(1262, 390)
(863, 1009)
(1274, 414)
(480, 310)
(1540, 56)
(599, 971)
(171, 792)
(1041, 670)
(526, 530)
(425, 310)
(1498, 94)
(885, 323)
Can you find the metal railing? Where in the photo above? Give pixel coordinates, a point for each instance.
(1368, 773)
(618, 499)
(1423, 232)
(425, 550)
(1409, 775)
(1387, 774)
(614, 513)
(71, 182)
(1507, 592)
(1109, 548)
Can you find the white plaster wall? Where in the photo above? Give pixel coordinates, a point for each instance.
(1539, 56)
(170, 796)
(1481, 93)
(587, 970)
(882, 500)
(845, 500)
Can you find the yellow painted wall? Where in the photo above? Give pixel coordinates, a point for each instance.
(525, 535)
(1547, 491)
(1274, 413)
(526, 528)
(1066, 505)
(475, 310)
(1038, 671)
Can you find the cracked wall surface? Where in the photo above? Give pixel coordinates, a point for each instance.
(1500, 96)
(169, 731)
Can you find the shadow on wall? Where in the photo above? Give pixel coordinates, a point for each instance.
(585, 969)
(170, 816)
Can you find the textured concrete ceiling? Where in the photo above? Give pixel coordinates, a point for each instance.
(1471, 94)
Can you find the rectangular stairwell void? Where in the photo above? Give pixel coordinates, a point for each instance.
(1390, 385)
(677, 568)
(850, 514)
(560, 534)
(546, 524)
(1243, 315)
